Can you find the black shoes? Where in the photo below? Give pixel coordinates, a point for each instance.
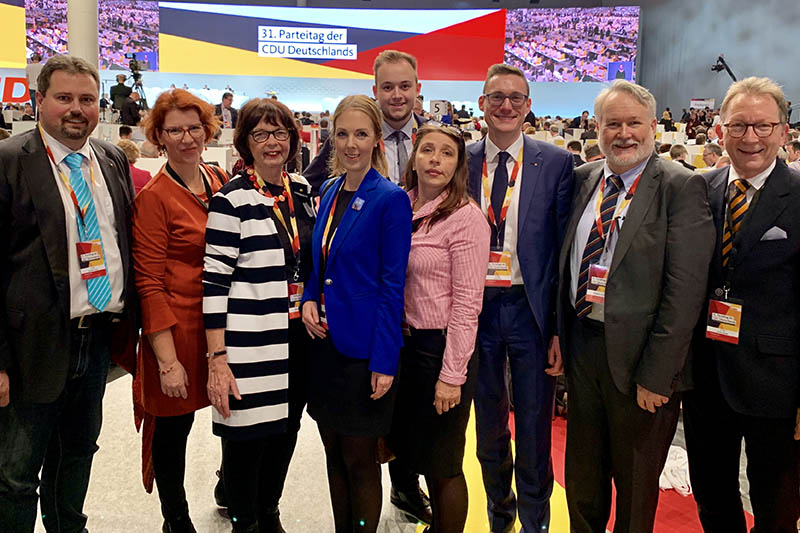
(414, 503)
(219, 493)
(270, 523)
(178, 525)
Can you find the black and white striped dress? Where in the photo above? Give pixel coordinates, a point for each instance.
(245, 292)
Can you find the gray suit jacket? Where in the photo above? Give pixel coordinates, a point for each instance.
(657, 282)
(34, 276)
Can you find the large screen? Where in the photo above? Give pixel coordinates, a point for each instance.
(549, 45)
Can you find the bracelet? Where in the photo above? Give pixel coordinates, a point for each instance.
(167, 371)
(217, 353)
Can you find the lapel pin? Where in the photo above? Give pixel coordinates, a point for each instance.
(358, 203)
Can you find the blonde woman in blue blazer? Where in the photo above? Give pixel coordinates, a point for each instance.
(353, 307)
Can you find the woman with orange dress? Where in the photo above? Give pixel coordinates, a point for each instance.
(169, 222)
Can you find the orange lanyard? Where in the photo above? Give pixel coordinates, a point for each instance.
(509, 191)
(325, 241)
(80, 210)
(598, 218)
(261, 186)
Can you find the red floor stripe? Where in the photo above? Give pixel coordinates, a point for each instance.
(675, 514)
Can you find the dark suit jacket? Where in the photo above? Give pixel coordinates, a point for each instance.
(544, 202)
(317, 171)
(657, 282)
(118, 93)
(34, 278)
(234, 114)
(760, 375)
(129, 115)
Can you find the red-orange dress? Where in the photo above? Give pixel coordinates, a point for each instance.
(169, 226)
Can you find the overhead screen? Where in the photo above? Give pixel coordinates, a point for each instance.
(552, 45)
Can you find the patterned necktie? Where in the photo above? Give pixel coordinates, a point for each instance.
(595, 243)
(737, 209)
(499, 187)
(402, 155)
(99, 287)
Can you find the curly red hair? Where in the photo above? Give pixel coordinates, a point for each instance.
(184, 101)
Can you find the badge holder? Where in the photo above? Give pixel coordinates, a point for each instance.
(724, 319)
(499, 271)
(295, 296)
(598, 279)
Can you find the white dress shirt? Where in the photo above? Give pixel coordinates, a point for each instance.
(512, 215)
(390, 144)
(78, 289)
(588, 218)
(756, 182)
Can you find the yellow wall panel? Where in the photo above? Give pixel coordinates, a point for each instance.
(12, 36)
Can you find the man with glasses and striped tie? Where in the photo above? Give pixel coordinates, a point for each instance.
(633, 273)
(66, 275)
(746, 353)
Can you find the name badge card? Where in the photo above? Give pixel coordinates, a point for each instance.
(499, 273)
(295, 295)
(724, 320)
(90, 259)
(322, 316)
(596, 288)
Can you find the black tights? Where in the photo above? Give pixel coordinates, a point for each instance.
(169, 463)
(449, 502)
(354, 478)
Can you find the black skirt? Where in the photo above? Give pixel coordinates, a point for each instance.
(339, 394)
(431, 444)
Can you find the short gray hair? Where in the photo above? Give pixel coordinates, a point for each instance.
(641, 94)
(753, 86)
(70, 64)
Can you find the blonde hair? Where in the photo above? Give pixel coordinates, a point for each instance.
(754, 86)
(130, 149)
(502, 69)
(641, 94)
(359, 102)
(394, 56)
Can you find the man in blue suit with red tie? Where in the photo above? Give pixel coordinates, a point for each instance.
(525, 189)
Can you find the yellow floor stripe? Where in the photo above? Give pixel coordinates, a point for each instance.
(477, 521)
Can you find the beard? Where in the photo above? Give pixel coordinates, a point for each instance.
(642, 152)
(74, 131)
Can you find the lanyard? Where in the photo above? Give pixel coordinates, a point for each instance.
(325, 241)
(509, 192)
(81, 211)
(598, 219)
(174, 175)
(261, 186)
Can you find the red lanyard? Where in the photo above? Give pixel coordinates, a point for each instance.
(80, 210)
(325, 242)
(261, 186)
(598, 218)
(509, 191)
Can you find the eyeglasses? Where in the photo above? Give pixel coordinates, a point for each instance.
(441, 125)
(176, 134)
(497, 99)
(761, 129)
(261, 136)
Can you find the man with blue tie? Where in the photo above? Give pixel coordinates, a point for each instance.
(65, 238)
(525, 189)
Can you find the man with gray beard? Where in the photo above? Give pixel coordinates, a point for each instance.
(632, 280)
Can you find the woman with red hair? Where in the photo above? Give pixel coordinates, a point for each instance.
(169, 222)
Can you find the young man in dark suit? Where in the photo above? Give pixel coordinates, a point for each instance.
(632, 281)
(65, 204)
(524, 187)
(747, 374)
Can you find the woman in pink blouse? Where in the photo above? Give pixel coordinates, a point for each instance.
(443, 294)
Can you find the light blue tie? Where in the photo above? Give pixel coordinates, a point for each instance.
(89, 230)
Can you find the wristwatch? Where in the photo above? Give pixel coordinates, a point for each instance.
(210, 355)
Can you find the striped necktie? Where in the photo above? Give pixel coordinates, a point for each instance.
(737, 209)
(594, 246)
(89, 230)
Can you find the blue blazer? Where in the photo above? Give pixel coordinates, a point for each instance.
(365, 276)
(545, 199)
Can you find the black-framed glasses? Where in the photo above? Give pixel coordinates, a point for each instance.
(761, 129)
(261, 136)
(496, 99)
(195, 131)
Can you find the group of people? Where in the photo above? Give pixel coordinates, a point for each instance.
(432, 274)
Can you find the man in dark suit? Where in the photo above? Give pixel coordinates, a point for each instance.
(580, 122)
(531, 189)
(747, 383)
(129, 115)
(679, 153)
(119, 92)
(575, 148)
(632, 280)
(65, 280)
(396, 89)
(225, 111)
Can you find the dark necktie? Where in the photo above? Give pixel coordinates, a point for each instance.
(499, 187)
(402, 155)
(594, 246)
(737, 209)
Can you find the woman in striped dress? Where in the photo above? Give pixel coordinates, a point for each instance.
(257, 258)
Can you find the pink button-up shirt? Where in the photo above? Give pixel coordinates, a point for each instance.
(444, 283)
